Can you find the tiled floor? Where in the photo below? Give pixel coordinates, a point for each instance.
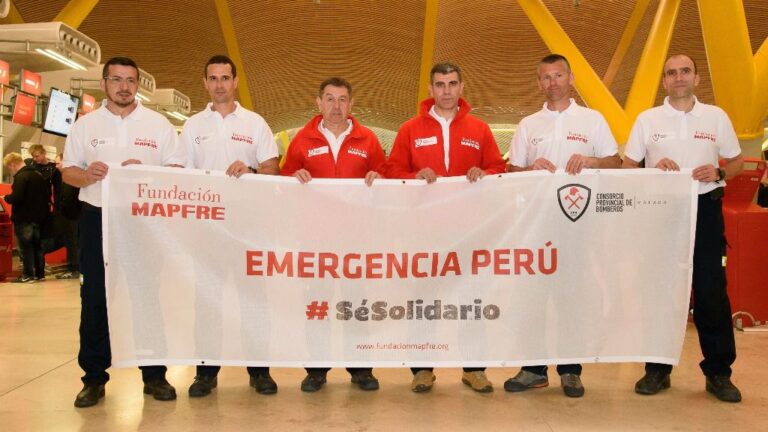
(39, 378)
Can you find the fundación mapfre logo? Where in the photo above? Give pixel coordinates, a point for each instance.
(574, 200)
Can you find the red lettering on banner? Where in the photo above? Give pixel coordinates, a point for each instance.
(305, 265)
(415, 264)
(358, 272)
(252, 261)
(451, 264)
(327, 264)
(281, 267)
(185, 211)
(523, 259)
(400, 266)
(480, 258)
(500, 256)
(373, 262)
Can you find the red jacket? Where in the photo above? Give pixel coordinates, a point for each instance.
(419, 144)
(359, 153)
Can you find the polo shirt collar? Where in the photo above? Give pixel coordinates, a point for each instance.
(571, 110)
(672, 111)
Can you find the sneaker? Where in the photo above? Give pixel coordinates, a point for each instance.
(40, 278)
(67, 275)
(525, 380)
(89, 395)
(263, 383)
(23, 279)
(423, 381)
(723, 388)
(365, 380)
(477, 380)
(652, 383)
(572, 386)
(160, 389)
(203, 385)
(313, 382)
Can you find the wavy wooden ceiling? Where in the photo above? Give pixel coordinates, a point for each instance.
(289, 46)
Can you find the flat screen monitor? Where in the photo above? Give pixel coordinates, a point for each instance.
(61, 112)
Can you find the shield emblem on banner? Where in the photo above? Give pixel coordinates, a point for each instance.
(573, 199)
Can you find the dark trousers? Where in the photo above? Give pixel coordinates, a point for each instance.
(711, 307)
(64, 236)
(561, 369)
(30, 248)
(414, 370)
(352, 371)
(214, 370)
(95, 355)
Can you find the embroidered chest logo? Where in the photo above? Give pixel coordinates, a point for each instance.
(421, 142)
(317, 151)
(357, 152)
(536, 141)
(241, 138)
(145, 142)
(97, 142)
(574, 136)
(469, 142)
(705, 136)
(658, 137)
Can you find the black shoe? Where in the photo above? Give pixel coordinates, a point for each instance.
(572, 386)
(68, 275)
(40, 278)
(89, 395)
(723, 388)
(160, 389)
(652, 383)
(23, 279)
(203, 385)
(263, 383)
(365, 380)
(313, 382)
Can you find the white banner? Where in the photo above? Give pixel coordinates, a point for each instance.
(516, 269)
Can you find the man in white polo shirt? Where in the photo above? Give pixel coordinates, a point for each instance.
(121, 131)
(224, 137)
(563, 135)
(685, 133)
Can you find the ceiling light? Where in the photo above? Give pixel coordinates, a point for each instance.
(60, 58)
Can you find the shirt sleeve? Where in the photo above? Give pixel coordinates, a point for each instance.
(492, 161)
(399, 164)
(635, 148)
(518, 149)
(293, 157)
(73, 148)
(266, 148)
(727, 141)
(174, 152)
(377, 160)
(606, 143)
(186, 141)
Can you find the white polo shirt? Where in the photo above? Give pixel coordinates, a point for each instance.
(215, 142)
(692, 139)
(102, 136)
(334, 141)
(556, 136)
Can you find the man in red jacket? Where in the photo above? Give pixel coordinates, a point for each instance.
(445, 140)
(334, 145)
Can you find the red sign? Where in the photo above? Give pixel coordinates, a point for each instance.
(23, 109)
(31, 82)
(89, 103)
(5, 73)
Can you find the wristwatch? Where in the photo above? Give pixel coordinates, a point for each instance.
(720, 174)
(253, 170)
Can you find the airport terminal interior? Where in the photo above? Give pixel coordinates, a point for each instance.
(51, 58)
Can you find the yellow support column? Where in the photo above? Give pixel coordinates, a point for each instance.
(645, 84)
(284, 143)
(75, 12)
(427, 49)
(588, 84)
(626, 40)
(233, 49)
